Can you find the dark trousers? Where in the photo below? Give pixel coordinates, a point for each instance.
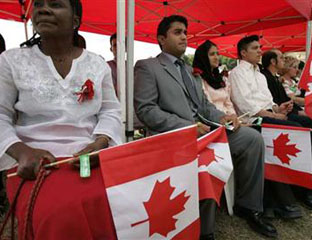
(280, 122)
(277, 194)
(207, 213)
(304, 121)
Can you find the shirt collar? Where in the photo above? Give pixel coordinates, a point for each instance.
(248, 65)
(171, 57)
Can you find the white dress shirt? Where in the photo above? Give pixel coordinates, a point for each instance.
(41, 109)
(249, 90)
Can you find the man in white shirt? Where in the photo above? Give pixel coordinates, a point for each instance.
(250, 94)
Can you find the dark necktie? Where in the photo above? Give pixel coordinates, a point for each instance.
(188, 82)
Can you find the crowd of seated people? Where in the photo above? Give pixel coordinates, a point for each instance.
(279, 199)
(168, 95)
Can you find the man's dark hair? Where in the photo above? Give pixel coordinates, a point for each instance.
(112, 37)
(2, 44)
(267, 57)
(244, 42)
(166, 22)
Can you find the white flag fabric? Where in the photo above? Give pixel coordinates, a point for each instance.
(215, 164)
(152, 186)
(288, 154)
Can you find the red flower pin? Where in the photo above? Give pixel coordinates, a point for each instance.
(86, 92)
(197, 72)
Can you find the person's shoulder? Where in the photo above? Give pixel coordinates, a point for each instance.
(110, 62)
(95, 56)
(17, 51)
(147, 61)
(15, 56)
(235, 70)
(149, 64)
(95, 59)
(95, 62)
(268, 75)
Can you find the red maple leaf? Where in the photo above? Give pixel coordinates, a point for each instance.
(207, 156)
(161, 209)
(282, 150)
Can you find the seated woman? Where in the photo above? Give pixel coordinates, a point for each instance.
(288, 75)
(57, 100)
(215, 86)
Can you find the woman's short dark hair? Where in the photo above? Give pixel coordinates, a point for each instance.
(2, 44)
(77, 10)
(166, 22)
(244, 42)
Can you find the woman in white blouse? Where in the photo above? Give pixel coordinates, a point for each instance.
(57, 100)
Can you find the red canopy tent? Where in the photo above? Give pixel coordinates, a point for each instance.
(17, 10)
(207, 18)
(290, 38)
(302, 6)
(214, 18)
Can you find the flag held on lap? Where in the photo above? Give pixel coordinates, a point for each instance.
(214, 163)
(152, 186)
(288, 154)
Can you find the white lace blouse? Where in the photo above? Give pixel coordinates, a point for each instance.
(41, 109)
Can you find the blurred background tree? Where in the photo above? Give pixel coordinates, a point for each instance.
(188, 59)
(229, 62)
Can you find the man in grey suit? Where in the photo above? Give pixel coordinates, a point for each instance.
(167, 96)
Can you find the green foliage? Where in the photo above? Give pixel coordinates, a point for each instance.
(229, 62)
(188, 59)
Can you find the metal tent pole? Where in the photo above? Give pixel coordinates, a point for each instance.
(130, 63)
(24, 17)
(308, 39)
(121, 78)
(26, 30)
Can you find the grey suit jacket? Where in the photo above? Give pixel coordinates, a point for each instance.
(161, 100)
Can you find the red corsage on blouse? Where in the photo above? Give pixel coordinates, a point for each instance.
(86, 92)
(197, 72)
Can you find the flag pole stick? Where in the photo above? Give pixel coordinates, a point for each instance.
(240, 117)
(57, 163)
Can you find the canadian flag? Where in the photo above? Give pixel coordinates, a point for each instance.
(306, 84)
(288, 154)
(215, 164)
(152, 186)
